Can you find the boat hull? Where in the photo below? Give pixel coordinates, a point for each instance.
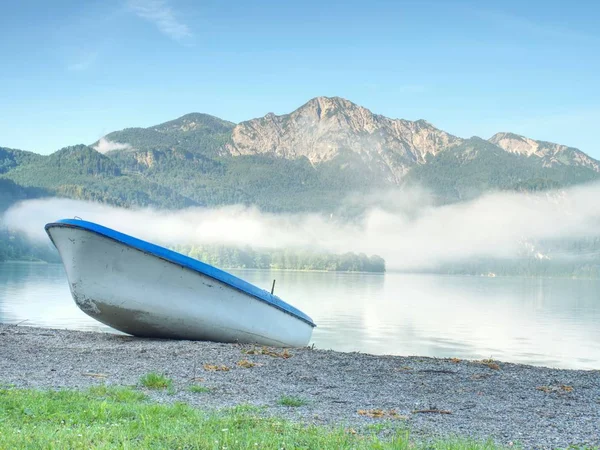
(139, 293)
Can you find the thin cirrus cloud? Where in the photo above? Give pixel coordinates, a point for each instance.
(84, 62)
(522, 25)
(160, 13)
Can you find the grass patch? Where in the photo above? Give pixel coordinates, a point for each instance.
(154, 380)
(198, 389)
(291, 401)
(106, 418)
(116, 394)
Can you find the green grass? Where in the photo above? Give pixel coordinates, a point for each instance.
(577, 447)
(155, 381)
(198, 389)
(122, 418)
(291, 401)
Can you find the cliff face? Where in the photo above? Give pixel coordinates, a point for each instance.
(551, 154)
(325, 127)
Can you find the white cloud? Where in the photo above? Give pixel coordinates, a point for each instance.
(104, 146)
(162, 15)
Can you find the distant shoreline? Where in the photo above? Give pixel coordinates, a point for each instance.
(387, 271)
(305, 270)
(25, 261)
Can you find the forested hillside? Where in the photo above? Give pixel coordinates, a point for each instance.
(476, 165)
(81, 172)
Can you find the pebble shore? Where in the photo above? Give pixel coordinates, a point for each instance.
(513, 404)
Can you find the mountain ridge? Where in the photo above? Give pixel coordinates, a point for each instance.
(325, 126)
(310, 159)
(506, 140)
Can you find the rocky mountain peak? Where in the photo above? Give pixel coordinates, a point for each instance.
(327, 106)
(551, 154)
(325, 127)
(515, 143)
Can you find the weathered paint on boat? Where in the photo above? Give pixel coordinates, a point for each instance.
(147, 290)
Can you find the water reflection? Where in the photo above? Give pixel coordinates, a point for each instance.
(37, 294)
(538, 321)
(542, 321)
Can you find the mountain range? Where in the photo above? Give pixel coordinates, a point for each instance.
(311, 159)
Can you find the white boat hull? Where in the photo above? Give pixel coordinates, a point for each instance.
(144, 295)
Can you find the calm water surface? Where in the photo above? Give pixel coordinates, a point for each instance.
(551, 322)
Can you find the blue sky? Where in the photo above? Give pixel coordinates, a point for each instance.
(73, 71)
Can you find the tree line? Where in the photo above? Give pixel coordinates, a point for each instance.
(16, 246)
(288, 259)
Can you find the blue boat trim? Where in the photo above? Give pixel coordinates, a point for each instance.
(187, 262)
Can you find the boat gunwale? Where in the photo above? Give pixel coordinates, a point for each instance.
(185, 262)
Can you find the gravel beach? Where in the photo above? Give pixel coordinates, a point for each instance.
(533, 407)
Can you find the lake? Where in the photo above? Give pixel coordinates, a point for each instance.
(549, 322)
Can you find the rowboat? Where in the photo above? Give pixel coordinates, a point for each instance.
(146, 290)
